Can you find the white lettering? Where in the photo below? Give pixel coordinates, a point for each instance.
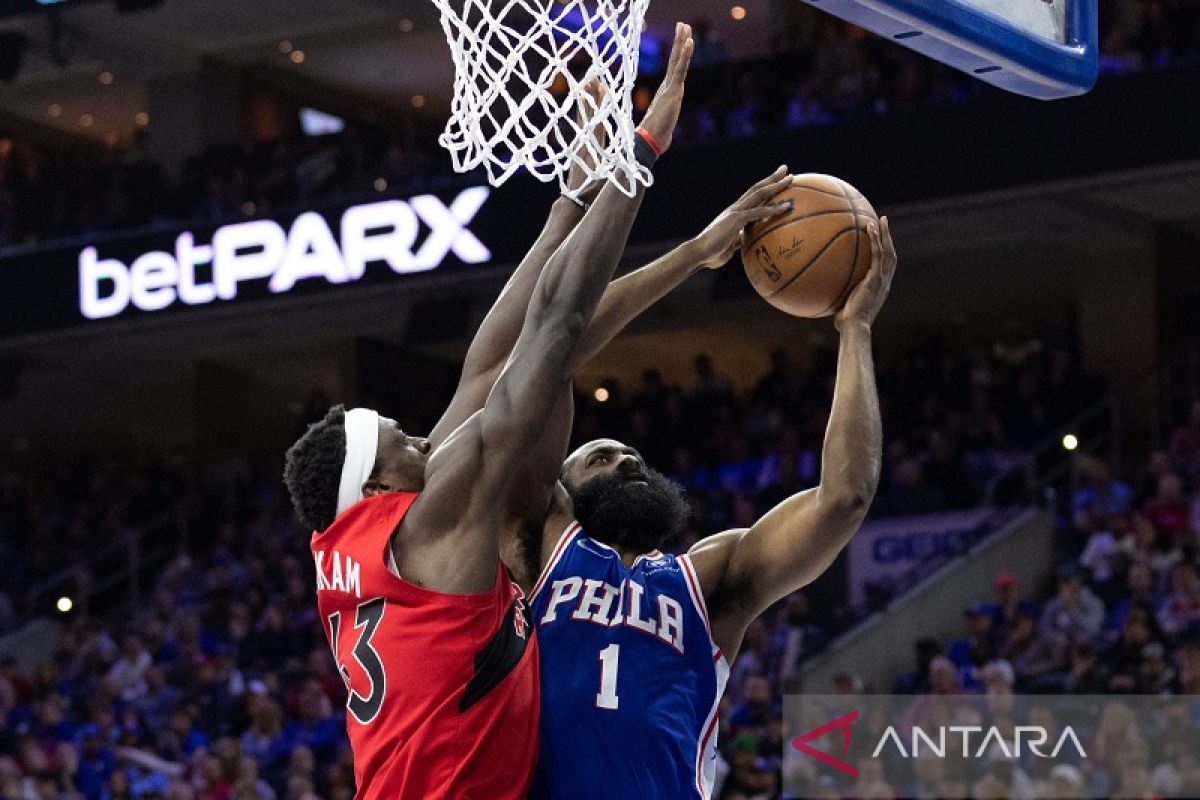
(634, 617)
(670, 621)
(1041, 739)
(561, 592)
(337, 583)
(993, 734)
(448, 228)
(1068, 733)
(1037, 736)
(597, 601)
(261, 249)
(890, 732)
(245, 251)
(311, 252)
(189, 257)
(383, 231)
(91, 272)
(152, 281)
(938, 749)
(965, 730)
(319, 557)
(353, 582)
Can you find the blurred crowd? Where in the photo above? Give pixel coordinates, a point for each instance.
(821, 71)
(1121, 618)
(217, 682)
(957, 416)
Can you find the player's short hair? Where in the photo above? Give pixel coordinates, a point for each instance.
(312, 470)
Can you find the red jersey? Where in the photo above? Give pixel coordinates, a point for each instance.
(443, 687)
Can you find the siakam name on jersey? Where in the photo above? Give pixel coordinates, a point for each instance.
(386, 231)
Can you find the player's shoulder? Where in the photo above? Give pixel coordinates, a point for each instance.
(710, 558)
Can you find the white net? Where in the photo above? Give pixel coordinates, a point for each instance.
(521, 68)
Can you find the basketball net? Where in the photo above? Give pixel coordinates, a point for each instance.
(520, 71)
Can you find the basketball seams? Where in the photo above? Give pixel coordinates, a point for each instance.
(813, 259)
(784, 223)
(845, 292)
(825, 192)
(779, 252)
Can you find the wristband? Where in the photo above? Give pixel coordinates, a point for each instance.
(648, 137)
(646, 148)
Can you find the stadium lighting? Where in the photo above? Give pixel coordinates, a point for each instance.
(601, 395)
(64, 604)
(1070, 442)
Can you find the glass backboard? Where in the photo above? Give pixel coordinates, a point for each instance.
(1039, 48)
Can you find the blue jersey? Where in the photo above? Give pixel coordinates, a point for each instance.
(631, 678)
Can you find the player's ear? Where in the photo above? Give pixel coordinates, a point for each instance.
(374, 487)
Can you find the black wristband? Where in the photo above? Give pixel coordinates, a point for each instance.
(643, 152)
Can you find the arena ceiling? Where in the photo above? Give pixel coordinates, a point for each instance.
(88, 74)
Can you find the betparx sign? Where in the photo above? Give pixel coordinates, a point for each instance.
(387, 231)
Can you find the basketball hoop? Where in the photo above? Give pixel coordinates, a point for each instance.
(519, 99)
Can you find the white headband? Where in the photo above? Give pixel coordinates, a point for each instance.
(362, 442)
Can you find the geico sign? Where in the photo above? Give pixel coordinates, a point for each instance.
(386, 231)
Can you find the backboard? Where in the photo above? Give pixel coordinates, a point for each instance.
(1039, 48)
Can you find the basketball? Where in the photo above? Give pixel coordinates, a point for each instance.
(807, 261)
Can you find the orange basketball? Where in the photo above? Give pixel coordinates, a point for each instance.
(807, 261)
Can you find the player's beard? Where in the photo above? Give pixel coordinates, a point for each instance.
(636, 517)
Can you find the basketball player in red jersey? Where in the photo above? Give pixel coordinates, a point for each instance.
(428, 630)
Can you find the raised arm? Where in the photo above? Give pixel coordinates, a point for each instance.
(745, 571)
(627, 297)
(450, 535)
(493, 342)
(623, 301)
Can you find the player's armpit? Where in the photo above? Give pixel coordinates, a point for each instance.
(743, 571)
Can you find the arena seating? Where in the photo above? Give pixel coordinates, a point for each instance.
(824, 71)
(216, 682)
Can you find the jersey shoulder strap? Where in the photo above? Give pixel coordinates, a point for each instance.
(564, 541)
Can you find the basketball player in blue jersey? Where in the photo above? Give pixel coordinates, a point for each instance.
(636, 644)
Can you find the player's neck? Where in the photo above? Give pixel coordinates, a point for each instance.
(629, 556)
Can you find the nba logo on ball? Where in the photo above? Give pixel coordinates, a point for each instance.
(807, 261)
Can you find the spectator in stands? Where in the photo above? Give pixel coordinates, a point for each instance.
(1180, 610)
(917, 680)
(1033, 655)
(796, 639)
(1140, 594)
(1168, 510)
(756, 711)
(1101, 495)
(1087, 674)
(978, 647)
(871, 782)
(1074, 613)
(1007, 603)
(1155, 675)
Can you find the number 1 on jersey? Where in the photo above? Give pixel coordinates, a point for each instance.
(610, 658)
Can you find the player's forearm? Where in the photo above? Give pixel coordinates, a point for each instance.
(627, 297)
(497, 334)
(574, 281)
(547, 351)
(500, 328)
(853, 451)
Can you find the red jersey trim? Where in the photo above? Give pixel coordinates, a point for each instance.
(385, 512)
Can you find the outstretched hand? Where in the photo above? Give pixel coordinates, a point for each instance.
(867, 298)
(717, 244)
(587, 115)
(663, 114)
